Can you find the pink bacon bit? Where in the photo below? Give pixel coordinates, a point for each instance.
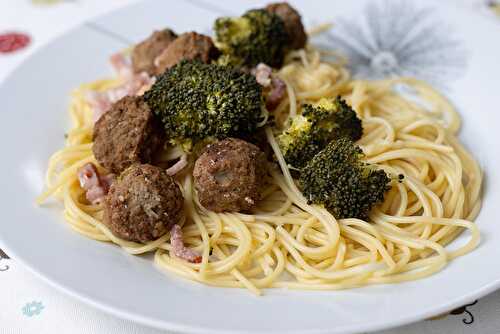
(262, 74)
(121, 65)
(276, 94)
(274, 86)
(99, 103)
(107, 180)
(134, 84)
(178, 247)
(96, 186)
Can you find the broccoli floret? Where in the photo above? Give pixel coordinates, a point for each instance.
(338, 179)
(256, 37)
(196, 101)
(318, 124)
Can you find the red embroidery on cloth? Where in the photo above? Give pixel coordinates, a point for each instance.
(13, 41)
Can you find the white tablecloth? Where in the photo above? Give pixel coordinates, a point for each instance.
(28, 305)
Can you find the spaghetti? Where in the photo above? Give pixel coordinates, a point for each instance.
(288, 243)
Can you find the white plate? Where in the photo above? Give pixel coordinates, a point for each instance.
(34, 101)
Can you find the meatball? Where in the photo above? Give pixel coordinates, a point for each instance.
(144, 53)
(229, 175)
(142, 204)
(188, 46)
(127, 133)
(293, 23)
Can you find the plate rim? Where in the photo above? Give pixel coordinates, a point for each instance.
(183, 328)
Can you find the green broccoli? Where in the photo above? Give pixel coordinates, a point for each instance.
(256, 37)
(318, 124)
(196, 101)
(338, 179)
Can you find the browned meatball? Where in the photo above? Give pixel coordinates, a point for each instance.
(188, 46)
(127, 133)
(229, 175)
(142, 204)
(145, 53)
(293, 23)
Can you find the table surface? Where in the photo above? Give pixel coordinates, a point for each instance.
(30, 306)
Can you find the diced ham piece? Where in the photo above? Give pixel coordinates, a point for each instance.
(121, 65)
(178, 166)
(95, 185)
(134, 84)
(262, 74)
(107, 180)
(99, 103)
(276, 94)
(178, 247)
(274, 87)
(143, 82)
